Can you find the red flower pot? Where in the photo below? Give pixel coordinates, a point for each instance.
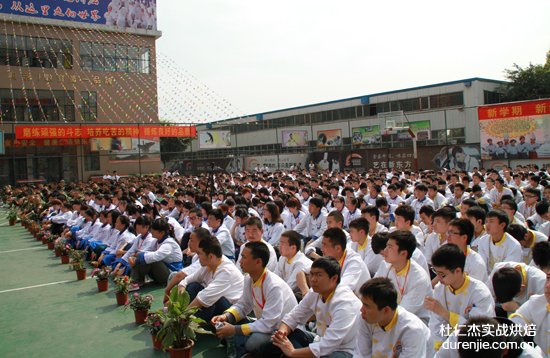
(157, 343)
(121, 298)
(38, 238)
(81, 274)
(102, 285)
(182, 352)
(64, 259)
(57, 253)
(50, 245)
(140, 316)
(44, 241)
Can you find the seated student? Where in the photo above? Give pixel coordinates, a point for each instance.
(238, 229)
(541, 256)
(404, 220)
(385, 328)
(477, 216)
(100, 241)
(361, 243)
(314, 224)
(498, 246)
(273, 224)
(121, 242)
(527, 239)
(426, 222)
(192, 248)
(292, 261)
(457, 296)
(254, 232)
(217, 285)
(421, 199)
(535, 312)
(335, 219)
(91, 232)
(215, 222)
(372, 214)
(386, 211)
(510, 207)
(410, 279)
(265, 294)
(438, 237)
(296, 214)
(60, 220)
(158, 264)
(142, 243)
(512, 283)
(336, 310)
(353, 211)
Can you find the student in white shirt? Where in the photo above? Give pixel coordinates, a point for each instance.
(477, 216)
(527, 239)
(254, 233)
(441, 219)
(142, 243)
(352, 213)
(387, 329)
(265, 294)
(541, 256)
(292, 261)
(372, 214)
(218, 229)
(457, 296)
(460, 233)
(314, 224)
(404, 220)
(296, 214)
(410, 279)
(361, 243)
(273, 224)
(313, 248)
(215, 286)
(336, 310)
(498, 246)
(420, 193)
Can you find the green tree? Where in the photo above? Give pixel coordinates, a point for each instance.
(532, 82)
(173, 148)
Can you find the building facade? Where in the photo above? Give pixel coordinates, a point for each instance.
(56, 70)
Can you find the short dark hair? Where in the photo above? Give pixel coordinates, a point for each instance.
(449, 256)
(422, 188)
(328, 264)
(478, 213)
(254, 221)
(259, 250)
(381, 291)
(201, 233)
(143, 221)
(517, 231)
(446, 213)
(541, 254)
(337, 216)
(511, 203)
(465, 227)
(405, 240)
(336, 236)
(372, 210)
(379, 241)
(426, 209)
(217, 214)
(506, 284)
(360, 224)
(211, 245)
(406, 212)
(161, 225)
(500, 215)
(318, 202)
(293, 238)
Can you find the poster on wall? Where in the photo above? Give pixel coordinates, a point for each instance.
(517, 130)
(214, 139)
(120, 13)
(366, 135)
(127, 149)
(329, 138)
(294, 138)
(459, 157)
(420, 128)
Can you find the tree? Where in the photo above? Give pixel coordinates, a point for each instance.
(173, 148)
(532, 82)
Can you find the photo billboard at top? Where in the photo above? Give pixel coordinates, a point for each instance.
(137, 14)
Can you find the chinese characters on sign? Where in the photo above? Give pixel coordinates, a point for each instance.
(102, 131)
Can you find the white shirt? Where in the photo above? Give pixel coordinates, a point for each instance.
(225, 281)
(226, 241)
(533, 278)
(288, 269)
(271, 265)
(507, 249)
(536, 311)
(272, 233)
(337, 320)
(168, 251)
(312, 226)
(354, 272)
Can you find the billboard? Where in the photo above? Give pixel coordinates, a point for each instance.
(128, 149)
(214, 139)
(459, 157)
(293, 138)
(136, 14)
(420, 128)
(366, 135)
(517, 130)
(329, 138)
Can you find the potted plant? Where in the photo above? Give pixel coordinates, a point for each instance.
(178, 333)
(122, 283)
(77, 263)
(141, 305)
(154, 322)
(59, 247)
(12, 217)
(50, 239)
(102, 278)
(41, 236)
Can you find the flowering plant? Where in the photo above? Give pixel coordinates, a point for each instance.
(154, 322)
(63, 247)
(139, 302)
(77, 258)
(51, 238)
(101, 274)
(122, 283)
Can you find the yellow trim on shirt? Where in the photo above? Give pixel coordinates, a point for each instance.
(453, 319)
(329, 297)
(245, 328)
(437, 345)
(392, 323)
(501, 241)
(405, 269)
(235, 313)
(462, 288)
(343, 257)
(361, 247)
(259, 282)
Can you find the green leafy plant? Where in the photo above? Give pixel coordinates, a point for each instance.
(139, 302)
(122, 283)
(63, 247)
(12, 215)
(180, 325)
(77, 259)
(154, 321)
(51, 237)
(101, 274)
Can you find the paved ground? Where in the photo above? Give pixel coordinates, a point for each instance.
(46, 312)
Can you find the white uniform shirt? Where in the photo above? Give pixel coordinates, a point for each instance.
(412, 283)
(371, 259)
(533, 278)
(475, 266)
(417, 204)
(312, 226)
(272, 233)
(405, 335)
(337, 320)
(507, 249)
(226, 241)
(168, 251)
(536, 311)
(288, 269)
(270, 298)
(225, 281)
(141, 244)
(354, 272)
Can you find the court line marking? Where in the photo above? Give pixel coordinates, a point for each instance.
(29, 248)
(35, 286)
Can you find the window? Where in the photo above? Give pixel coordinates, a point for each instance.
(29, 51)
(88, 106)
(91, 161)
(36, 105)
(447, 100)
(491, 97)
(114, 58)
